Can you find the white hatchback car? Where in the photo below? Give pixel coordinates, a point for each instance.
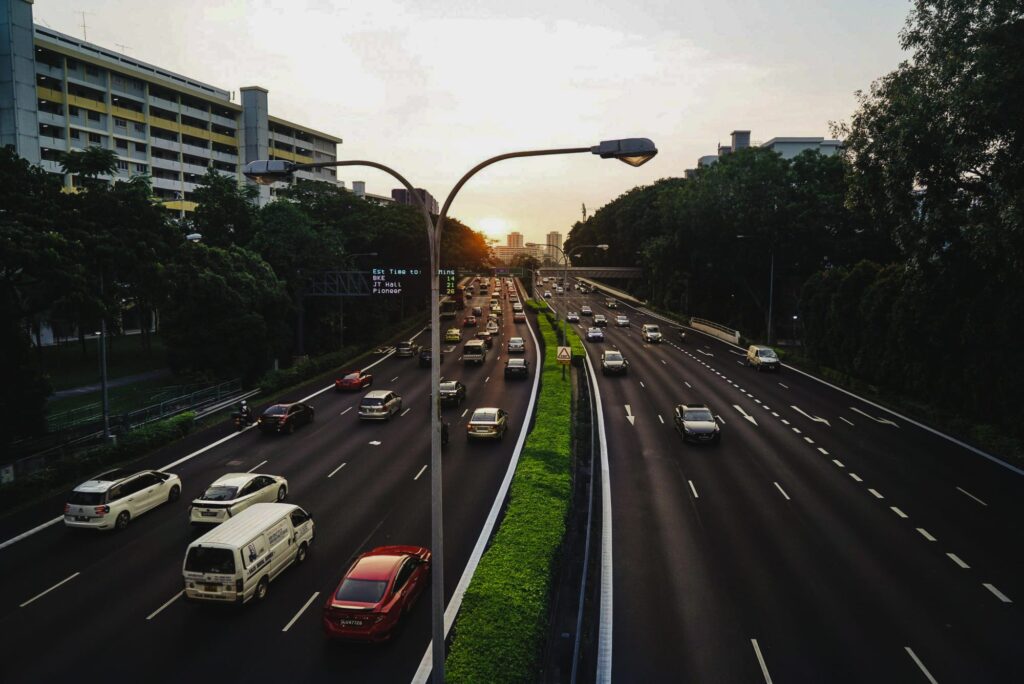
(232, 493)
(112, 499)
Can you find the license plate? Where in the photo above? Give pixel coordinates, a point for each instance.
(351, 623)
(211, 587)
(82, 518)
(208, 514)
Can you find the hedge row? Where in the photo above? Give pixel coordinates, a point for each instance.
(504, 616)
(77, 465)
(541, 307)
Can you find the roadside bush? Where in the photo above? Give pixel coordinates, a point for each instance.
(504, 615)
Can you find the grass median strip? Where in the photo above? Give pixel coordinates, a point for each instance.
(504, 616)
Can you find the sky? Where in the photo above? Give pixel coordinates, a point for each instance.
(433, 88)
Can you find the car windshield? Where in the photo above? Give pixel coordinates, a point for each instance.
(351, 376)
(698, 415)
(484, 417)
(447, 386)
(372, 401)
(361, 591)
(220, 493)
(212, 560)
(404, 345)
(276, 410)
(766, 353)
(613, 356)
(520, 363)
(86, 498)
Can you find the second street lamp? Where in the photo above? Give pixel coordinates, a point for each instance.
(633, 151)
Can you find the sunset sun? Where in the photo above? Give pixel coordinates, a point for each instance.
(494, 227)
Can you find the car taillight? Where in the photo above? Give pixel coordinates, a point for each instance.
(101, 510)
(67, 508)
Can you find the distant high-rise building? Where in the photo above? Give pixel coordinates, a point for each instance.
(788, 147)
(515, 239)
(554, 240)
(402, 196)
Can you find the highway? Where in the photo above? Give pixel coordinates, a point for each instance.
(77, 604)
(824, 539)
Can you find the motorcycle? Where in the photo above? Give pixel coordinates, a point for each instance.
(682, 336)
(242, 418)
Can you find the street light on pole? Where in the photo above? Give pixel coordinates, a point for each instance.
(633, 151)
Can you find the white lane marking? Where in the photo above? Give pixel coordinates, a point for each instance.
(422, 674)
(1000, 595)
(44, 593)
(664, 362)
(375, 442)
(846, 421)
(883, 421)
(642, 384)
(796, 430)
(745, 414)
(784, 421)
(924, 533)
(336, 470)
(301, 611)
(169, 602)
(779, 487)
(701, 351)
(464, 413)
(838, 463)
(766, 407)
(967, 493)
(420, 473)
(687, 384)
(720, 419)
(345, 411)
(899, 512)
(956, 559)
(875, 493)
(629, 414)
(48, 523)
(487, 379)
(393, 379)
(404, 412)
(733, 351)
(855, 477)
(783, 386)
(808, 440)
(816, 419)
(661, 419)
(823, 451)
(757, 401)
(920, 665)
(760, 660)
(255, 466)
(693, 489)
(775, 414)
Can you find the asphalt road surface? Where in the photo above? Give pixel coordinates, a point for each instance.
(824, 539)
(78, 605)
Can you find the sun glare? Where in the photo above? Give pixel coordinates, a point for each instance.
(494, 227)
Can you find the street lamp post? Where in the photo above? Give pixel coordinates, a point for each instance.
(633, 151)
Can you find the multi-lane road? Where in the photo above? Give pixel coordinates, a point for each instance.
(78, 605)
(824, 540)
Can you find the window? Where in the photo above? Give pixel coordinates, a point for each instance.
(141, 128)
(299, 517)
(120, 122)
(210, 559)
(122, 165)
(72, 110)
(95, 138)
(92, 71)
(141, 168)
(74, 134)
(140, 147)
(403, 575)
(121, 144)
(94, 116)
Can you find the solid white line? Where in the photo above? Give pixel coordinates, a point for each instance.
(255, 466)
(964, 491)
(899, 512)
(336, 470)
(956, 559)
(823, 451)
(875, 493)
(741, 363)
(855, 477)
(779, 487)
(404, 412)
(920, 665)
(345, 411)
(169, 602)
(846, 421)
(42, 594)
(423, 671)
(693, 489)
(301, 610)
(925, 534)
(760, 659)
(781, 385)
(1000, 595)
(661, 419)
(420, 473)
(838, 463)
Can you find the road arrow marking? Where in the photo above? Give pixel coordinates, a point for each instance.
(883, 421)
(816, 419)
(745, 414)
(629, 414)
(375, 443)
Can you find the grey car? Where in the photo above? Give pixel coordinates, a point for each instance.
(614, 363)
(696, 423)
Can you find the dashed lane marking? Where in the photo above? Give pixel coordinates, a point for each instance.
(782, 491)
(255, 466)
(301, 611)
(855, 477)
(899, 512)
(345, 411)
(44, 593)
(875, 493)
(920, 665)
(924, 533)
(404, 412)
(169, 602)
(420, 473)
(336, 470)
(967, 493)
(956, 559)
(783, 386)
(846, 421)
(760, 660)
(1000, 595)
(693, 489)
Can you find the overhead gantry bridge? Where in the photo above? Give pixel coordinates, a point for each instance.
(594, 272)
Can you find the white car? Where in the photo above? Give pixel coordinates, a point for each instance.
(585, 310)
(492, 327)
(516, 345)
(112, 499)
(651, 333)
(232, 493)
(516, 306)
(622, 321)
(559, 290)
(595, 335)
(547, 294)
(572, 317)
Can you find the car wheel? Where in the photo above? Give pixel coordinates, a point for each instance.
(261, 589)
(122, 520)
(173, 495)
(282, 492)
(300, 555)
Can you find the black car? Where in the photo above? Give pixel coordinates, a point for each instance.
(285, 417)
(517, 368)
(452, 392)
(600, 321)
(425, 355)
(696, 423)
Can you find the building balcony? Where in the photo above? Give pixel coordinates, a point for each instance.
(221, 156)
(224, 121)
(51, 166)
(169, 145)
(194, 168)
(166, 164)
(167, 184)
(52, 119)
(201, 114)
(169, 105)
(53, 143)
(196, 151)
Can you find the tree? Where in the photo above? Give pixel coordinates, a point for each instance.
(226, 211)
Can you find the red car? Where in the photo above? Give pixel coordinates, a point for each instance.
(380, 587)
(353, 380)
(469, 322)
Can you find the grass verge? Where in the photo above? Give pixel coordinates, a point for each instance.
(504, 616)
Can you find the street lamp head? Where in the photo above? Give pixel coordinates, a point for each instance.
(194, 237)
(633, 151)
(267, 171)
(603, 247)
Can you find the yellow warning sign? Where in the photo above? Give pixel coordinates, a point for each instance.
(564, 354)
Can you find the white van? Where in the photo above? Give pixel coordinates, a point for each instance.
(474, 351)
(236, 560)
